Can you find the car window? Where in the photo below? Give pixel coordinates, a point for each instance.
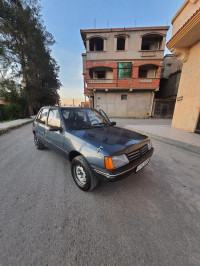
(42, 115)
(83, 118)
(54, 118)
(66, 114)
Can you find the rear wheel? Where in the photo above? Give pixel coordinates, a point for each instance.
(38, 144)
(82, 174)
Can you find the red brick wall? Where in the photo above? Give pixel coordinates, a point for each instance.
(125, 83)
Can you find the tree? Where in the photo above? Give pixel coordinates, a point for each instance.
(25, 46)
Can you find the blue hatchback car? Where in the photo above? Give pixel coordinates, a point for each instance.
(96, 148)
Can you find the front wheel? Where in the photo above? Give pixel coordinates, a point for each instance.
(82, 174)
(38, 144)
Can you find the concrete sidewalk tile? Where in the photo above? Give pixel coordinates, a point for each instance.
(186, 140)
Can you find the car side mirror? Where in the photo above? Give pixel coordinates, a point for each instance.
(113, 123)
(54, 128)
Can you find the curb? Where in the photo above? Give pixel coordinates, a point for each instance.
(177, 143)
(2, 131)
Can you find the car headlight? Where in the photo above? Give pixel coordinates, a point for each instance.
(115, 161)
(149, 144)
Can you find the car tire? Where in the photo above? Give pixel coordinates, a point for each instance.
(82, 174)
(38, 144)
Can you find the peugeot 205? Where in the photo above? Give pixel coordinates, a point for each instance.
(95, 146)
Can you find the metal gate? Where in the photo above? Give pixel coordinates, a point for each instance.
(164, 108)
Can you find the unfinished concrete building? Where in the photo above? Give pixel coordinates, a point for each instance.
(165, 98)
(122, 68)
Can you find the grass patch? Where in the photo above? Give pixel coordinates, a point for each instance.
(1, 122)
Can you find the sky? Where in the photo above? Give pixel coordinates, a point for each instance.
(65, 18)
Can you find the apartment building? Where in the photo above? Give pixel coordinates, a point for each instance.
(185, 45)
(122, 68)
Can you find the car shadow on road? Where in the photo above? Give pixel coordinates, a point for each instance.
(129, 184)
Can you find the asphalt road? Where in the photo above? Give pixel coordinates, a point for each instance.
(152, 218)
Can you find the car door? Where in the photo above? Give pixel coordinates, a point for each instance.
(40, 124)
(55, 138)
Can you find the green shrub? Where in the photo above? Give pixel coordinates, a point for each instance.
(13, 111)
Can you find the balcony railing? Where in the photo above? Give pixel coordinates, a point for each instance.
(101, 81)
(151, 53)
(145, 80)
(123, 83)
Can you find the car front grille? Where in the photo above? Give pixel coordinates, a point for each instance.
(134, 155)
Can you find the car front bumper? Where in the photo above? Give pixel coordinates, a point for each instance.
(121, 172)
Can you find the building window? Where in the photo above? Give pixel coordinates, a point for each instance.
(100, 74)
(143, 73)
(148, 71)
(152, 42)
(124, 70)
(121, 43)
(168, 67)
(123, 97)
(96, 44)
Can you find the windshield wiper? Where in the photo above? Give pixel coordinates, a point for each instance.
(99, 124)
(83, 126)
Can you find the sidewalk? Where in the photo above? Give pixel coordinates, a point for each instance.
(156, 129)
(13, 124)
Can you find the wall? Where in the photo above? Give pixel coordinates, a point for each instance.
(169, 87)
(109, 74)
(176, 65)
(137, 105)
(84, 58)
(187, 110)
(151, 73)
(184, 13)
(133, 46)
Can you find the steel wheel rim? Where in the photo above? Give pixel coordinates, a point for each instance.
(80, 175)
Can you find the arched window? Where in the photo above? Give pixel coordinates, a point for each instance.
(96, 44)
(101, 73)
(152, 42)
(148, 71)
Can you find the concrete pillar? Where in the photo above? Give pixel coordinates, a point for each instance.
(89, 102)
(104, 45)
(135, 72)
(115, 44)
(153, 106)
(126, 44)
(87, 45)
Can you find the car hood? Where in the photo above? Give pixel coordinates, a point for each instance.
(112, 139)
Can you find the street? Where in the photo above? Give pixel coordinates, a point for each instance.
(151, 218)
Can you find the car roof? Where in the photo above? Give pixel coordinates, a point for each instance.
(75, 107)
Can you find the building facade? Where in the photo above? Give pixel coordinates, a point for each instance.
(185, 44)
(165, 98)
(122, 68)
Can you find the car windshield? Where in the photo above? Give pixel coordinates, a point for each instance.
(79, 118)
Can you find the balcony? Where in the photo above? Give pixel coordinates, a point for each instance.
(103, 78)
(145, 80)
(117, 84)
(101, 81)
(152, 45)
(148, 53)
